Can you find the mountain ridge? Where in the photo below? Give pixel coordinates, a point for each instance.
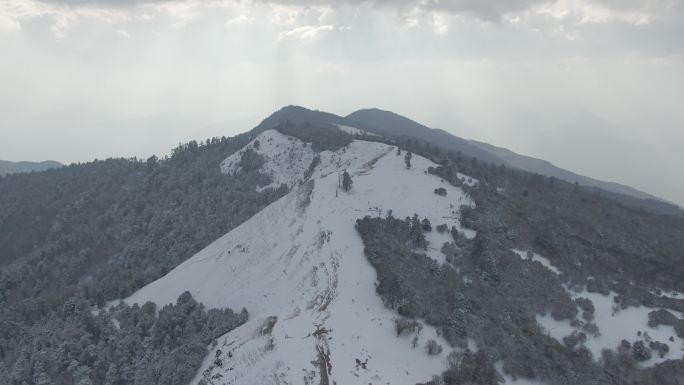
(398, 127)
(10, 167)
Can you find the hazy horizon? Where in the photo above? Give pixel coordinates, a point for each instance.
(593, 86)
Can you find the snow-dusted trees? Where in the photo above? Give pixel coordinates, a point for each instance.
(251, 160)
(312, 166)
(407, 159)
(346, 181)
(322, 137)
(416, 236)
(100, 230)
(426, 225)
(433, 348)
(124, 345)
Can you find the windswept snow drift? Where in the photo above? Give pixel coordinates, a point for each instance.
(537, 258)
(299, 268)
(354, 130)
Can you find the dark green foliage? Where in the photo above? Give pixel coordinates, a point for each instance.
(441, 191)
(346, 181)
(125, 345)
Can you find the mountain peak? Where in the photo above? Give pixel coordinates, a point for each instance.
(299, 115)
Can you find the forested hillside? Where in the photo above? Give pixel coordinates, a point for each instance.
(95, 232)
(489, 296)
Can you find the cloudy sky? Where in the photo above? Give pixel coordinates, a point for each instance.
(595, 86)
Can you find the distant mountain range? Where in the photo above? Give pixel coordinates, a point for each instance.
(9, 167)
(392, 125)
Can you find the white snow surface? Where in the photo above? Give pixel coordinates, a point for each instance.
(354, 130)
(286, 158)
(509, 380)
(670, 294)
(536, 257)
(614, 325)
(300, 262)
(467, 180)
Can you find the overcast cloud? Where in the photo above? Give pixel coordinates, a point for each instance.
(594, 86)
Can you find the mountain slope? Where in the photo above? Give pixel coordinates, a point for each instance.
(299, 268)
(8, 167)
(392, 125)
(331, 296)
(526, 286)
(542, 167)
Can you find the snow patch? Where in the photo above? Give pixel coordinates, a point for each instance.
(614, 325)
(509, 380)
(670, 294)
(538, 258)
(354, 130)
(286, 159)
(467, 180)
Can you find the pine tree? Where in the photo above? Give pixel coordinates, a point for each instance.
(407, 159)
(346, 181)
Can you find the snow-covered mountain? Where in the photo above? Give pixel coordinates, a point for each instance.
(299, 268)
(496, 276)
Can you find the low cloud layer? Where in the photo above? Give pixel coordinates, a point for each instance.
(592, 85)
(492, 10)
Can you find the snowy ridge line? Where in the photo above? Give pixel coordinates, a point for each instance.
(299, 267)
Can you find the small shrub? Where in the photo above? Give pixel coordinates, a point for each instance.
(661, 348)
(640, 351)
(433, 348)
(405, 326)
